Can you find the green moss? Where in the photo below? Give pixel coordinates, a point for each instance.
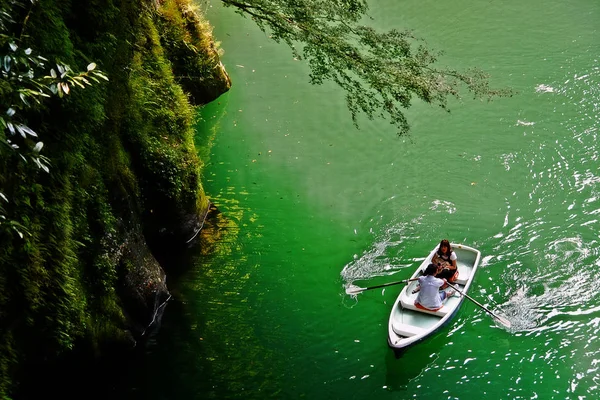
(122, 161)
(189, 44)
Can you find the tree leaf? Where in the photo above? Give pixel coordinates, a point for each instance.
(7, 60)
(76, 82)
(11, 127)
(21, 131)
(91, 66)
(101, 75)
(28, 130)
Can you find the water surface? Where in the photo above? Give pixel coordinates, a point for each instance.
(308, 204)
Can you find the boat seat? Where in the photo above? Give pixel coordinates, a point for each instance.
(406, 330)
(460, 281)
(408, 302)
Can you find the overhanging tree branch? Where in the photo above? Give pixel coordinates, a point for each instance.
(381, 72)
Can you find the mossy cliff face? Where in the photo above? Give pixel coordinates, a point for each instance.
(124, 178)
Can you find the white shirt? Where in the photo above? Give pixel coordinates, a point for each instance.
(429, 296)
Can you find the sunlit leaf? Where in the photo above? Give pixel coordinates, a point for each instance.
(13, 46)
(38, 146)
(53, 73)
(28, 51)
(28, 130)
(91, 66)
(76, 82)
(7, 60)
(20, 130)
(23, 99)
(10, 112)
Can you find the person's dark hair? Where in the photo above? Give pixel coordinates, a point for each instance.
(446, 243)
(431, 269)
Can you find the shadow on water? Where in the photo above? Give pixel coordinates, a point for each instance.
(408, 366)
(126, 373)
(147, 370)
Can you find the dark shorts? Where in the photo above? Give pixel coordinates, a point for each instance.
(449, 274)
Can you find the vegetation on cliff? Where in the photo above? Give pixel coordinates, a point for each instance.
(123, 172)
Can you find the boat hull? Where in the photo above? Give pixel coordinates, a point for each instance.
(409, 325)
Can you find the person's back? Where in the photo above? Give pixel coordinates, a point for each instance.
(429, 296)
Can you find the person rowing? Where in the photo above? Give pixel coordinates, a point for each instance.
(430, 296)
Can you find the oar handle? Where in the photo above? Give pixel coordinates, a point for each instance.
(356, 290)
(387, 284)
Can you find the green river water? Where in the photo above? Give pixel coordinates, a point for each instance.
(308, 204)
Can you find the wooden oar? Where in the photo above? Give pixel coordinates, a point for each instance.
(498, 318)
(356, 290)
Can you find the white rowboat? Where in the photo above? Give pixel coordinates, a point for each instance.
(409, 324)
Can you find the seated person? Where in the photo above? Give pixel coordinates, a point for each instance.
(446, 258)
(430, 297)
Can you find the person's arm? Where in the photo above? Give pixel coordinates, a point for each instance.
(453, 260)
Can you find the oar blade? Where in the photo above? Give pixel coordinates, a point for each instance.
(354, 290)
(502, 321)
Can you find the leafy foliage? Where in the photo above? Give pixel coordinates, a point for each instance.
(23, 73)
(124, 170)
(380, 72)
(27, 79)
